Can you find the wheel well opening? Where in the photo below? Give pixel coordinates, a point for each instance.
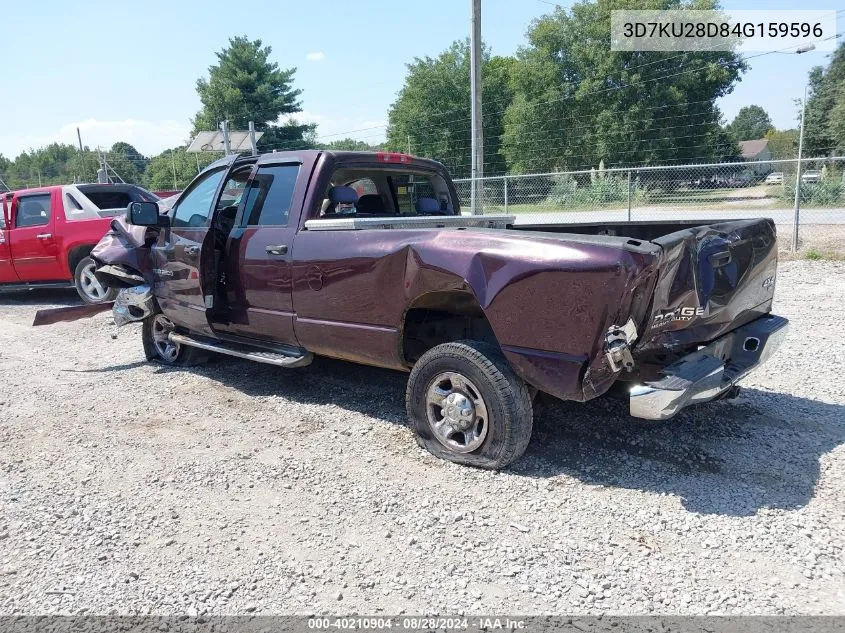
(443, 317)
(76, 255)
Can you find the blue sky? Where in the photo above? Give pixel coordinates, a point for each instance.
(127, 71)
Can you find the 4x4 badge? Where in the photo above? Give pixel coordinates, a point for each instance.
(768, 282)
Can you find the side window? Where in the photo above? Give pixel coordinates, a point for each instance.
(270, 194)
(33, 210)
(194, 206)
(2, 211)
(234, 189)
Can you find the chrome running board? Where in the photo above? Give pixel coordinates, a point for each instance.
(242, 351)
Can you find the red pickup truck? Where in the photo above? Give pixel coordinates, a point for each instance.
(46, 235)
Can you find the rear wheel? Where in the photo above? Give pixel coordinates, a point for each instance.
(467, 405)
(158, 347)
(91, 289)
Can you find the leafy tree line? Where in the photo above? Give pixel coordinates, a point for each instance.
(565, 101)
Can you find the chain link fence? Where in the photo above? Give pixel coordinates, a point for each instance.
(812, 222)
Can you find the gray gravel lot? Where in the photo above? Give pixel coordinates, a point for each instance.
(235, 487)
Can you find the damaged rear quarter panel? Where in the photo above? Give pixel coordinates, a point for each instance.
(549, 300)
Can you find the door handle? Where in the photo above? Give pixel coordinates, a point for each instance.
(43, 236)
(192, 250)
(281, 249)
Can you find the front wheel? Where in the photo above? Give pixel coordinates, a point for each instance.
(155, 335)
(88, 286)
(468, 406)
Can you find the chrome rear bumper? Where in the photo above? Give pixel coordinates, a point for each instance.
(708, 373)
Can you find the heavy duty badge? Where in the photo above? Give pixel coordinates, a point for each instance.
(678, 314)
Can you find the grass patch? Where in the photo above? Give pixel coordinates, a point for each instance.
(816, 255)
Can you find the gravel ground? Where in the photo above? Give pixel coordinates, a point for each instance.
(825, 239)
(238, 488)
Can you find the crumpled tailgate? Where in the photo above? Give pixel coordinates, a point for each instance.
(713, 279)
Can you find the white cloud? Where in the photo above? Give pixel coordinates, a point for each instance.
(317, 56)
(148, 137)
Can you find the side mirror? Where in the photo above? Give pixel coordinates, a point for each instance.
(142, 214)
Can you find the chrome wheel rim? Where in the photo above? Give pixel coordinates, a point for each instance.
(456, 412)
(91, 286)
(165, 348)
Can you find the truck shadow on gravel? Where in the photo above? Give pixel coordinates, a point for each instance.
(41, 298)
(732, 458)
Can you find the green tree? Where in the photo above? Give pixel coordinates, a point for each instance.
(825, 113)
(836, 122)
(751, 122)
(175, 169)
(432, 110)
(53, 164)
(350, 145)
(127, 162)
(576, 102)
(5, 164)
(246, 86)
(783, 143)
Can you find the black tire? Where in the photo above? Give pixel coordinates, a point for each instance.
(505, 396)
(184, 355)
(88, 287)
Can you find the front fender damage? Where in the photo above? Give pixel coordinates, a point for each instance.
(123, 260)
(133, 304)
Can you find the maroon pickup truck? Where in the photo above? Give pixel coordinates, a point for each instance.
(367, 257)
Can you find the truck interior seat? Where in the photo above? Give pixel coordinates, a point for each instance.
(428, 206)
(340, 195)
(371, 203)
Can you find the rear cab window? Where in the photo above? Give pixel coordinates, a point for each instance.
(389, 192)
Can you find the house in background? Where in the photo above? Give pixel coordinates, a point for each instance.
(757, 150)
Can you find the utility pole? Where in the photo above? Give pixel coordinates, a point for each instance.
(797, 208)
(81, 157)
(173, 162)
(252, 138)
(102, 172)
(224, 127)
(799, 51)
(106, 166)
(477, 172)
